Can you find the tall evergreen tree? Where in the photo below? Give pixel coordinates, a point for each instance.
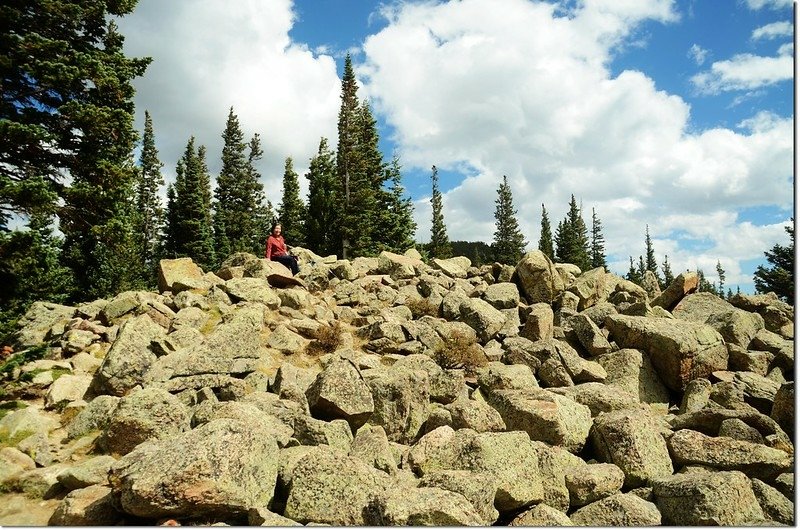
(598, 243)
(779, 277)
(439, 246)
(396, 224)
(347, 163)
(572, 240)
(321, 226)
(641, 269)
(262, 214)
(509, 243)
(150, 220)
(633, 273)
(721, 276)
(666, 270)
(546, 236)
(703, 285)
(651, 263)
(292, 211)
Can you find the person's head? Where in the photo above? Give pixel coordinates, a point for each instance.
(276, 229)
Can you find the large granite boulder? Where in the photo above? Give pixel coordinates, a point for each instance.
(538, 278)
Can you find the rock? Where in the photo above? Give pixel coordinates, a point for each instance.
(538, 278)
(775, 506)
(632, 371)
(146, 414)
(683, 284)
(39, 448)
(332, 488)
(252, 290)
(401, 398)
(172, 270)
(424, 506)
(209, 411)
(704, 498)
(130, 356)
(264, 517)
(622, 509)
(445, 385)
(478, 488)
(286, 341)
(24, 422)
(631, 440)
(545, 416)
(39, 483)
(14, 462)
(709, 420)
(589, 483)
(66, 389)
(482, 317)
(758, 391)
(691, 447)
(398, 267)
(739, 430)
(475, 415)
(650, 284)
(372, 446)
(539, 324)
(599, 397)
(737, 326)
(339, 391)
(450, 267)
(499, 376)
(785, 484)
(591, 287)
(434, 451)
(696, 396)
(87, 473)
(220, 469)
(541, 515)
(783, 406)
(336, 433)
(91, 506)
(94, 417)
(504, 295)
(679, 351)
(38, 320)
(590, 335)
(778, 315)
(239, 335)
(554, 462)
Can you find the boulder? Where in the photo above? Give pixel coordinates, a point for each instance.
(775, 506)
(622, 509)
(706, 498)
(87, 473)
(592, 482)
(401, 398)
(424, 506)
(650, 284)
(397, 266)
(696, 396)
(130, 356)
(221, 469)
(286, 341)
(478, 488)
(482, 317)
(450, 267)
(599, 397)
(539, 324)
(632, 441)
(264, 517)
(679, 351)
(91, 506)
(499, 376)
(35, 325)
(146, 414)
(475, 415)
(24, 422)
(589, 335)
(783, 406)
(14, 462)
(592, 287)
(631, 370)
(445, 385)
(683, 284)
(329, 487)
(538, 278)
(372, 446)
(778, 315)
(172, 270)
(66, 389)
(339, 392)
(251, 290)
(94, 417)
(335, 434)
(541, 515)
(554, 462)
(504, 295)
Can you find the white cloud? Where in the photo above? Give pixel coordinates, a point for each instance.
(771, 4)
(698, 54)
(744, 72)
(211, 55)
(773, 31)
(786, 49)
(511, 87)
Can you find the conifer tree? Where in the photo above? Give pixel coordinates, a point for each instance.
(261, 215)
(641, 269)
(703, 285)
(439, 246)
(779, 277)
(546, 236)
(292, 211)
(396, 224)
(572, 241)
(509, 243)
(650, 261)
(721, 276)
(150, 221)
(667, 272)
(633, 274)
(347, 163)
(321, 226)
(598, 243)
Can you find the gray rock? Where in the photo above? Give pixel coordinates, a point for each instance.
(475, 415)
(221, 469)
(424, 506)
(683, 284)
(538, 278)
(25, 422)
(783, 406)
(632, 371)
(622, 509)
(541, 515)
(336, 433)
(286, 341)
(703, 498)
(478, 488)
(35, 324)
(499, 376)
(401, 399)
(252, 290)
(172, 270)
(209, 411)
(445, 385)
(503, 295)
(785, 484)
(339, 392)
(632, 441)
(239, 335)
(66, 389)
(592, 482)
(599, 397)
(539, 324)
(590, 335)
(264, 517)
(94, 417)
(739, 430)
(696, 396)
(372, 446)
(87, 473)
(482, 317)
(591, 287)
(554, 462)
(775, 506)
(679, 351)
(90, 506)
(14, 462)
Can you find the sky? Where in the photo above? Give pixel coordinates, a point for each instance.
(675, 115)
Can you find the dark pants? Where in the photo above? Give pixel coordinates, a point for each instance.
(289, 261)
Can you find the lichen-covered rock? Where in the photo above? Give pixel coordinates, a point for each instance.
(592, 482)
(90, 506)
(679, 350)
(87, 473)
(445, 386)
(94, 417)
(503, 295)
(38, 320)
(424, 506)
(221, 468)
(590, 335)
(475, 415)
(336, 433)
(783, 406)
(146, 414)
(286, 341)
(172, 270)
(478, 488)
(541, 515)
(631, 440)
(453, 267)
(720, 498)
(401, 398)
(25, 422)
(683, 284)
(499, 376)
(591, 287)
(632, 371)
(774, 504)
(372, 446)
(66, 389)
(339, 391)
(554, 462)
(538, 278)
(251, 290)
(622, 509)
(482, 317)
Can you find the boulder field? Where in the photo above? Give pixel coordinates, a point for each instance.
(391, 391)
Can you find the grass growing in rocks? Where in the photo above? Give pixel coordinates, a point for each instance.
(460, 351)
(327, 340)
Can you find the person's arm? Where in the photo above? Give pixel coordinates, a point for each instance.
(268, 252)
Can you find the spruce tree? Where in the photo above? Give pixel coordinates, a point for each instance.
(262, 214)
(703, 285)
(779, 277)
(439, 246)
(292, 211)
(650, 261)
(572, 240)
(150, 210)
(546, 236)
(562, 241)
(396, 224)
(321, 226)
(641, 269)
(667, 272)
(347, 163)
(598, 243)
(633, 274)
(721, 276)
(509, 243)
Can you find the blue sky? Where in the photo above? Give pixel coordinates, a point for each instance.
(677, 115)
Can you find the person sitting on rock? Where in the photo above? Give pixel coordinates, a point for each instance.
(276, 249)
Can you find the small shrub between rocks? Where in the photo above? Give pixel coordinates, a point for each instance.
(326, 340)
(459, 351)
(421, 307)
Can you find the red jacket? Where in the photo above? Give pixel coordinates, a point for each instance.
(276, 246)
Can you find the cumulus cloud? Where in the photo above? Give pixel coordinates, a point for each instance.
(518, 88)
(211, 55)
(771, 4)
(698, 54)
(744, 72)
(773, 31)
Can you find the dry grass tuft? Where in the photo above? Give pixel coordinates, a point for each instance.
(459, 351)
(421, 307)
(326, 340)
